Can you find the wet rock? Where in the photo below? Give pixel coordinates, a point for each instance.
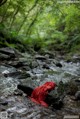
(2, 108)
(58, 105)
(58, 65)
(68, 60)
(76, 58)
(26, 89)
(17, 74)
(71, 88)
(77, 81)
(22, 110)
(25, 68)
(18, 64)
(4, 103)
(46, 66)
(12, 74)
(47, 56)
(39, 57)
(61, 88)
(12, 109)
(5, 75)
(18, 93)
(8, 51)
(4, 56)
(48, 53)
(51, 55)
(55, 101)
(34, 64)
(77, 95)
(24, 75)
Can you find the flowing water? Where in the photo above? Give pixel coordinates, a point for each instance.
(20, 107)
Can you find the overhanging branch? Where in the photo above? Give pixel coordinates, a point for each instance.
(2, 2)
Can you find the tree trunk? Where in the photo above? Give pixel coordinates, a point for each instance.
(4, 15)
(32, 23)
(27, 15)
(14, 16)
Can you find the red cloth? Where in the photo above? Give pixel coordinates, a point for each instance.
(39, 94)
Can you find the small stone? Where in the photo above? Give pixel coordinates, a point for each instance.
(59, 65)
(13, 109)
(46, 66)
(18, 93)
(4, 103)
(21, 110)
(77, 95)
(39, 57)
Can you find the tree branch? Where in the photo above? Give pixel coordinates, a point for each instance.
(32, 23)
(36, 1)
(2, 2)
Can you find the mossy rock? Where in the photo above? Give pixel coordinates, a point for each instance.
(71, 88)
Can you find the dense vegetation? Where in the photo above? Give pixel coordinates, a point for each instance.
(40, 25)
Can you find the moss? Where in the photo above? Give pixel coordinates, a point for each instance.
(51, 72)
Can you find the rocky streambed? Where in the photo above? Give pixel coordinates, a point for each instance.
(34, 70)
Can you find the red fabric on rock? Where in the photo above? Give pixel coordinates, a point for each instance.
(39, 94)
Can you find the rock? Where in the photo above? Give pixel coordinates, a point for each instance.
(46, 66)
(71, 88)
(4, 103)
(24, 75)
(58, 105)
(17, 64)
(76, 58)
(77, 81)
(34, 64)
(77, 95)
(68, 60)
(58, 65)
(18, 93)
(39, 57)
(18, 74)
(2, 108)
(12, 74)
(61, 88)
(51, 55)
(47, 56)
(12, 109)
(27, 68)
(20, 64)
(21, 110)
(56, 102)
(4, 56)
(48, 53)
(8, 51)
(26, 89)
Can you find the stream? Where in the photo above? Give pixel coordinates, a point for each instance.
(34, 71)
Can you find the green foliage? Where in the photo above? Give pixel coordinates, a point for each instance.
(72, 19)
(40, 24)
